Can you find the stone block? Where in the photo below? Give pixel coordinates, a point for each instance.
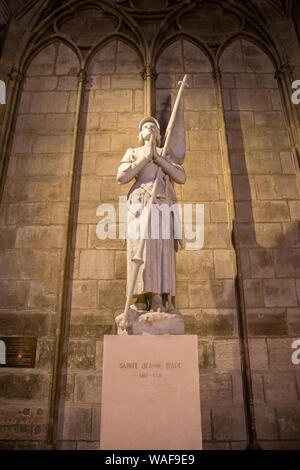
(126, 81)
(228, 423)
(67, 83)
(258, 354)
(40, 84)
(81, 354)
(219, 212)
(294, 210)
(194, 59)
(23, 423)
(281, 387)
(269, 119)
(100, 142)
(262, 263)
(271, 211)
(289, 421)
(210, 322)
(124, 140)
(121, 265)
(90, 188)
(84, 294)
(43, 295)
(280, 354)
(111, 294)
(77, 423)
(269, 235)
(244, 212)
(224, 264)
(267, 322)
(25, 324)
(37, 264)
(182, 295)
(170, 60)
(207, 294)
(215, 389)
(104, 61)
(205, 354)
(241, 188)
(24, 386)
(99, 355)
(110, 101)
(128, 60)
(276, 100)
(280, 293)
(203, 163)
(227, 355)
(201, 189)
(253, 292)
(49, 102)
(266, 423)
(10, 264)
(203, 139)
(96, 264)
(293, 321)
(263, 162)
(165, 80)
(53, 144)
(286, 187)
(7, 237)
(13, 293)
(45, 353)
(251, 100)
(111, 191)
(43, 63)
(108, 244)
(87, 388)
(195, 265)
(287, 262)
(67, 62)
(96, 420)
(138, 100)
(287, 162)
(200, 99)
(40, 237)
(91, 323)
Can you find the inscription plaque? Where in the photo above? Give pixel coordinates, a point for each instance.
(17, 352)
(150, 393)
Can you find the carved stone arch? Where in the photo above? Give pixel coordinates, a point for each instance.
(114, 37)
(70, 8)
(272, 55)
(184, 37)
(38, 48)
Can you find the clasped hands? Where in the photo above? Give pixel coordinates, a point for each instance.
(151, 152)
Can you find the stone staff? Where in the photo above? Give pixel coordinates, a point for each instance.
(138, 257)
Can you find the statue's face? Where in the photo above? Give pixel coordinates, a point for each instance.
(148, 129)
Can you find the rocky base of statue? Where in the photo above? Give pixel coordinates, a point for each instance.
(151, 322)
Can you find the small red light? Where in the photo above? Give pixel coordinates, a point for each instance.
(20, 356)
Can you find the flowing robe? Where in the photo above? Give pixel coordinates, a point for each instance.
(157, 273)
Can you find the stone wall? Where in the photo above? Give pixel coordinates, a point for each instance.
(267, 212)
(34, 214)
(35, 207)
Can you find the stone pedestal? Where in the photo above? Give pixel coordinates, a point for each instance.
(150, 393)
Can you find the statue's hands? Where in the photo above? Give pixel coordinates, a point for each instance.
(154, 153)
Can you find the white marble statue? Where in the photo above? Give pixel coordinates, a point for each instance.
(152, 204)
(155, 284)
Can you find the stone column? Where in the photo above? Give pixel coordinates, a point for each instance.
(149, 75)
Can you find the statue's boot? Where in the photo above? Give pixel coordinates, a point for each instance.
(157, 303)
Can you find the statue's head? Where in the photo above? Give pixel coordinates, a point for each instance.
(147, 126)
